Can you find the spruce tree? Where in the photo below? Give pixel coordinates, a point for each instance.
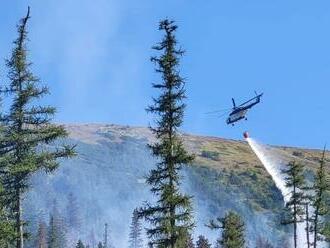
(80, 244)
(202, 242)
(295, 206)
(57, 230)
(171, 215)
(233, 230)
(27, 126)
(135, 235)
(320, 201)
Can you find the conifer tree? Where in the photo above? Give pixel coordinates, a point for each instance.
(27, 127)
(80, 244)
(202, 242)
(56, 232)
(100, 245)
(171, 215)
(135, 235)
(42, 236)
(233, 230)
(320, 201)
(295, 206)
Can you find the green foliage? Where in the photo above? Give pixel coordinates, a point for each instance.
(7, 231)
(260, 190)
(27, 130)
(210, 154)
(233, 230)
(171, 215)
(326, 231)
(295, 207)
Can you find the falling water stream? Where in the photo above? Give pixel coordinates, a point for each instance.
(272, 160)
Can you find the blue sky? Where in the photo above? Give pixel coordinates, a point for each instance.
(94, 55)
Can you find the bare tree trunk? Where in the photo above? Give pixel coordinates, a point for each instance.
(315, 228)
(307, 226)
(19, 223)
(294, 220)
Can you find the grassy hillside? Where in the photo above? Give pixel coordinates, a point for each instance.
(107, 178)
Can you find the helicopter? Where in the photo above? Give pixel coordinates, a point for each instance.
(238, 112)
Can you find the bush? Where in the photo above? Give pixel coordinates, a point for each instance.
(210, 154)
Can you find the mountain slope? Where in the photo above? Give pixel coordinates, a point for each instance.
(107, 178)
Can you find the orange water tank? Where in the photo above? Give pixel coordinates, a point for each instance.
(246, 135)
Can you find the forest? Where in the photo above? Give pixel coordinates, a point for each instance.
(32, 143)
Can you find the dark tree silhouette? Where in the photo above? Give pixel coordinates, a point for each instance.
(170, 217)
(80, 244)
(295, 206)
(135, 235)
(27, 127)
(320, 201)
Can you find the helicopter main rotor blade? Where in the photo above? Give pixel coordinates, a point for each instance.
(217, 111)
(258, 96)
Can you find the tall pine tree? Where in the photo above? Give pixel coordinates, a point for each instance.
(27, 127)
(295, 207)
(170, 216)
(135, 235)
(233, 230)
(320, 201)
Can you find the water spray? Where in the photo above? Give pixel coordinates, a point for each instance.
(274, 164)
